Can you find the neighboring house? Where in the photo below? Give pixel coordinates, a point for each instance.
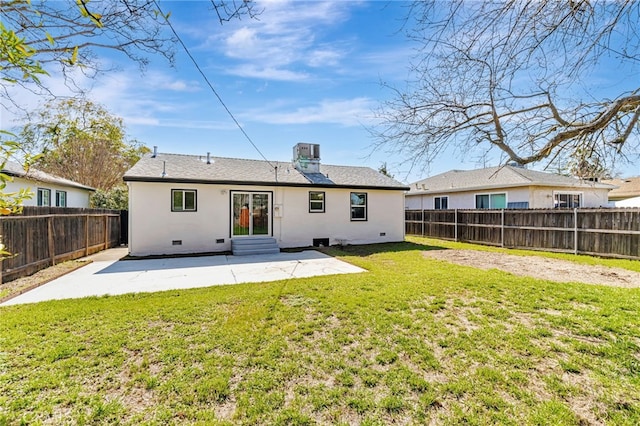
(190, 204)
(627, 193)
(503, 188)
(48, 190)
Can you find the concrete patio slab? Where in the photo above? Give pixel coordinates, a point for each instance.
(108, 275)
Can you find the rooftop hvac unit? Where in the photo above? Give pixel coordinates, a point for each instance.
(309, 151)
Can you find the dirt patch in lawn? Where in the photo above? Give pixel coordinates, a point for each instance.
(540, 267)
(18, 286)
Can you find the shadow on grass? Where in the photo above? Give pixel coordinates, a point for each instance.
(370, 249)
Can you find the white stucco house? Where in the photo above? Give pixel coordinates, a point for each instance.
(48, 190)
(503, 188)
(190, 204)
(627, 193)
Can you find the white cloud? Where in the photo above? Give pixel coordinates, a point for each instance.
(285, 36)
(323, 57)
(350, 112)
(267, 73)
(29, 98)
(180, 123)
(138, 99)
(242, 40)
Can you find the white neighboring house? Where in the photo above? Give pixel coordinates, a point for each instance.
(503, 188)
(190, 204)
(627, 193)
(48, 190)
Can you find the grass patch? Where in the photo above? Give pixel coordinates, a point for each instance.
(412, 341)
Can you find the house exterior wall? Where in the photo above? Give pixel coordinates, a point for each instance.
(463, 199)
(628, 202)
(76, 197)
(543, 197)
(298, 227)
(537, 196)
(153, 227)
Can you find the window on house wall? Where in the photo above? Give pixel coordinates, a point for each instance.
(358, 206)
(518, 205)
(61, 198)
(44, 197)
(316, 202)
(567, 200)
(491, 201)
(441, 203)
(183, 200)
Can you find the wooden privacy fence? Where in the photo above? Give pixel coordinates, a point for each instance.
(601, 232)
(43, 236)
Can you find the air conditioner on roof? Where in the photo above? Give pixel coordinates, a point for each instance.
(306, 157)
(309, 151)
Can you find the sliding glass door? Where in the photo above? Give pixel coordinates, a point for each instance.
(251, 213)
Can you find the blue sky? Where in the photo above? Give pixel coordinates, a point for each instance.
(304, 71)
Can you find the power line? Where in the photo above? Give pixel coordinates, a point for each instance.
(211, 85)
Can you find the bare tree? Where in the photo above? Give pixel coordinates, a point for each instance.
(518, 76)
(49, 35)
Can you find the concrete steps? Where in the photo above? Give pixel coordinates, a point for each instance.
(254, 245)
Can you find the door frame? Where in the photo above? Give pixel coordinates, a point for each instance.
(269, 209)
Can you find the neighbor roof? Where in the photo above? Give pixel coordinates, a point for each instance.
(194, 169)
(16, 170)
(496, 177)
(627, 188)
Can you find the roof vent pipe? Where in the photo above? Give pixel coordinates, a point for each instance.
(155, 151)
(208, 158)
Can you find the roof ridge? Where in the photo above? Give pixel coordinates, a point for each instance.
(257, 160)
(201, 156)
(37, 175)
(514, 170)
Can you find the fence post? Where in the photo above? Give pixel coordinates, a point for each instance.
(106, 234)
(575, 230)
(502, 228)
(86, 235)
(52, 244)
(455, 226)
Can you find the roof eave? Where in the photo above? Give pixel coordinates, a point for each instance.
(50, 181)
(259, 183)
(515, 185)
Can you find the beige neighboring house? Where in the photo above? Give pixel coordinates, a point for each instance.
(190, 204)
(627, 193)
(48, 190)
(504, 187)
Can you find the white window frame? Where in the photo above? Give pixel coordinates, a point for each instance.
(184, 198)
(41, 197)
(364, 207)
(440, 198)
(312, 202)
(61, 195)
(558, 193)
(506, 199)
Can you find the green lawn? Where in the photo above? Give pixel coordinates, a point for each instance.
(413, 341)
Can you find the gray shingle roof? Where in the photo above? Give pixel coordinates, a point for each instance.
(193, 168)
(14, 169)
(496, 177)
